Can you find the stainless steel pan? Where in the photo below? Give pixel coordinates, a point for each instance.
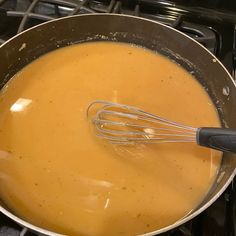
(31, 44)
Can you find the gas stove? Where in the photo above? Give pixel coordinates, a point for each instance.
(210, 22)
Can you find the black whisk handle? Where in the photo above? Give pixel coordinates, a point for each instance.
(217, 138)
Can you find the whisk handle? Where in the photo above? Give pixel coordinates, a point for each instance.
(217, 138)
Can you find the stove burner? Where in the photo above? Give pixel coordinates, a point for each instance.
(26, 14)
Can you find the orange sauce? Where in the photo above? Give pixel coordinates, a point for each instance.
(56, 174)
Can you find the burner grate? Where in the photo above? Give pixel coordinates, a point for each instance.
(29, 13)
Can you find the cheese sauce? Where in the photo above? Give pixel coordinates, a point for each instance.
(56, 174)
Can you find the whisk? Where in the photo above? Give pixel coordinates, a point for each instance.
(126, 125)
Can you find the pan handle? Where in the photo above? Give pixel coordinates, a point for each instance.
(217, 138)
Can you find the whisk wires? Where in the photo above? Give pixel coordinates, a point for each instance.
(124, 124)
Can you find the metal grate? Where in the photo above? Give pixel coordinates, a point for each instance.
(27, 13)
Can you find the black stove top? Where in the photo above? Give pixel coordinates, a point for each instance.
(210, 22)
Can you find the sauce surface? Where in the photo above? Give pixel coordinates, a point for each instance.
(57, 175)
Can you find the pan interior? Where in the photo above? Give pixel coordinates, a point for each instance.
(48, 147)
